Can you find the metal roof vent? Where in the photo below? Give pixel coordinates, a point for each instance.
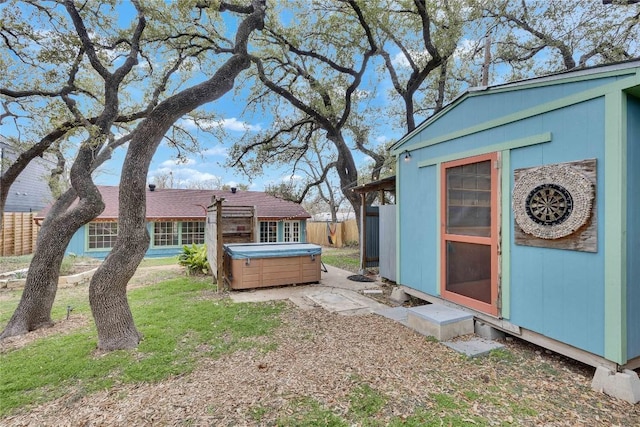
(233, 190)
(152, 187)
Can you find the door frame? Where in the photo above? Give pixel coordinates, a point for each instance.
(493, 241)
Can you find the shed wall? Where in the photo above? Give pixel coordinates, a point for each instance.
(633, 227)
(560, 293)
(30, 192)
(557, 293)
(417, 193)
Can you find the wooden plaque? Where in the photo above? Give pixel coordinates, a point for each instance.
(554, 199)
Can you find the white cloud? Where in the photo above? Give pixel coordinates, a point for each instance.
(177, 162)
(230, 124)
(235, 124)
(401, 61)
(218, 150)
(465, 48)
(293, 177)
(183, 177)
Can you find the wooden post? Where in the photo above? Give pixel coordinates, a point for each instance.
(363, 233)
(219, 248)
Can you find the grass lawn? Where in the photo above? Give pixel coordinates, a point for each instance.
(12, 263)
(175, 319)
(346, 258)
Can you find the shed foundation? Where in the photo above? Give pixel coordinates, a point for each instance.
(623, 385)
(487, 331)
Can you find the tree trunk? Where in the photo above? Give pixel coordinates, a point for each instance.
(108, 287)
(348, 173)
(34, 310)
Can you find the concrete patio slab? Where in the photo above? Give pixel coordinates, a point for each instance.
(474, 347)
(399, 314)
(335, 293)
(336, 301)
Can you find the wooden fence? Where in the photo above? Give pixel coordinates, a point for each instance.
(18, 234)
(342, 233)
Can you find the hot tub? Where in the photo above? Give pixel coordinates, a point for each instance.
(257, 265)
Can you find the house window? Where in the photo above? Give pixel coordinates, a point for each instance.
(192, 232)
(165, 233)
(102, 235)
(291, 231)
(268, 231)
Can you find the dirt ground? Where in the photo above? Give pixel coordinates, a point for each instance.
(323, 356)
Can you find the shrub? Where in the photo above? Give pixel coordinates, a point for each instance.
(194, 258)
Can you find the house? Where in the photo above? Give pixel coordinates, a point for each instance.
(519, 203)
(30, 192)
(176, 217)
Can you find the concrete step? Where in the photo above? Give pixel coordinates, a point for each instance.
(439, 321)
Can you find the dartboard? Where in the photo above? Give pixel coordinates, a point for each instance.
(549, 204)
(552, 201)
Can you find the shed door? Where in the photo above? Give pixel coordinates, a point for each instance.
(469, 270)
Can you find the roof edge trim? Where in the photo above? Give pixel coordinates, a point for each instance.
(631, 68)
(596, 92)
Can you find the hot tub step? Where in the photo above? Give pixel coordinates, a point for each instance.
(439, 321)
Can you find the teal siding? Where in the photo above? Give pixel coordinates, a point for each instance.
(78, 246)
(633, 228)
(477, 109)
(78, 243)
(559, 293)
(556, 293)
(418, 227)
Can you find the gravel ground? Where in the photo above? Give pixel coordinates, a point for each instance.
(324, 357)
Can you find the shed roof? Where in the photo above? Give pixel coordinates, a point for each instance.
(619, 68)
(167, 203)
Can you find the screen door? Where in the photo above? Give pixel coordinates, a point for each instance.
(469, 237)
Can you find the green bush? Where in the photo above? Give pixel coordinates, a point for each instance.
(194, 258)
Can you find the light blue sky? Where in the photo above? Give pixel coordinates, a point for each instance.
(208, 165)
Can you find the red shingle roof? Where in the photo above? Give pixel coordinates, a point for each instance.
(169, 203)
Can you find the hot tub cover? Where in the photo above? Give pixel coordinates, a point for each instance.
(270, 250)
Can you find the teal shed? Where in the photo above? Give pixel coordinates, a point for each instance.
(520, 203)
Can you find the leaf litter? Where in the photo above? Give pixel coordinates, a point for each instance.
(323, 357)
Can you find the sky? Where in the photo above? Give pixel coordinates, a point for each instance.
(209, 164)
(206, 166)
